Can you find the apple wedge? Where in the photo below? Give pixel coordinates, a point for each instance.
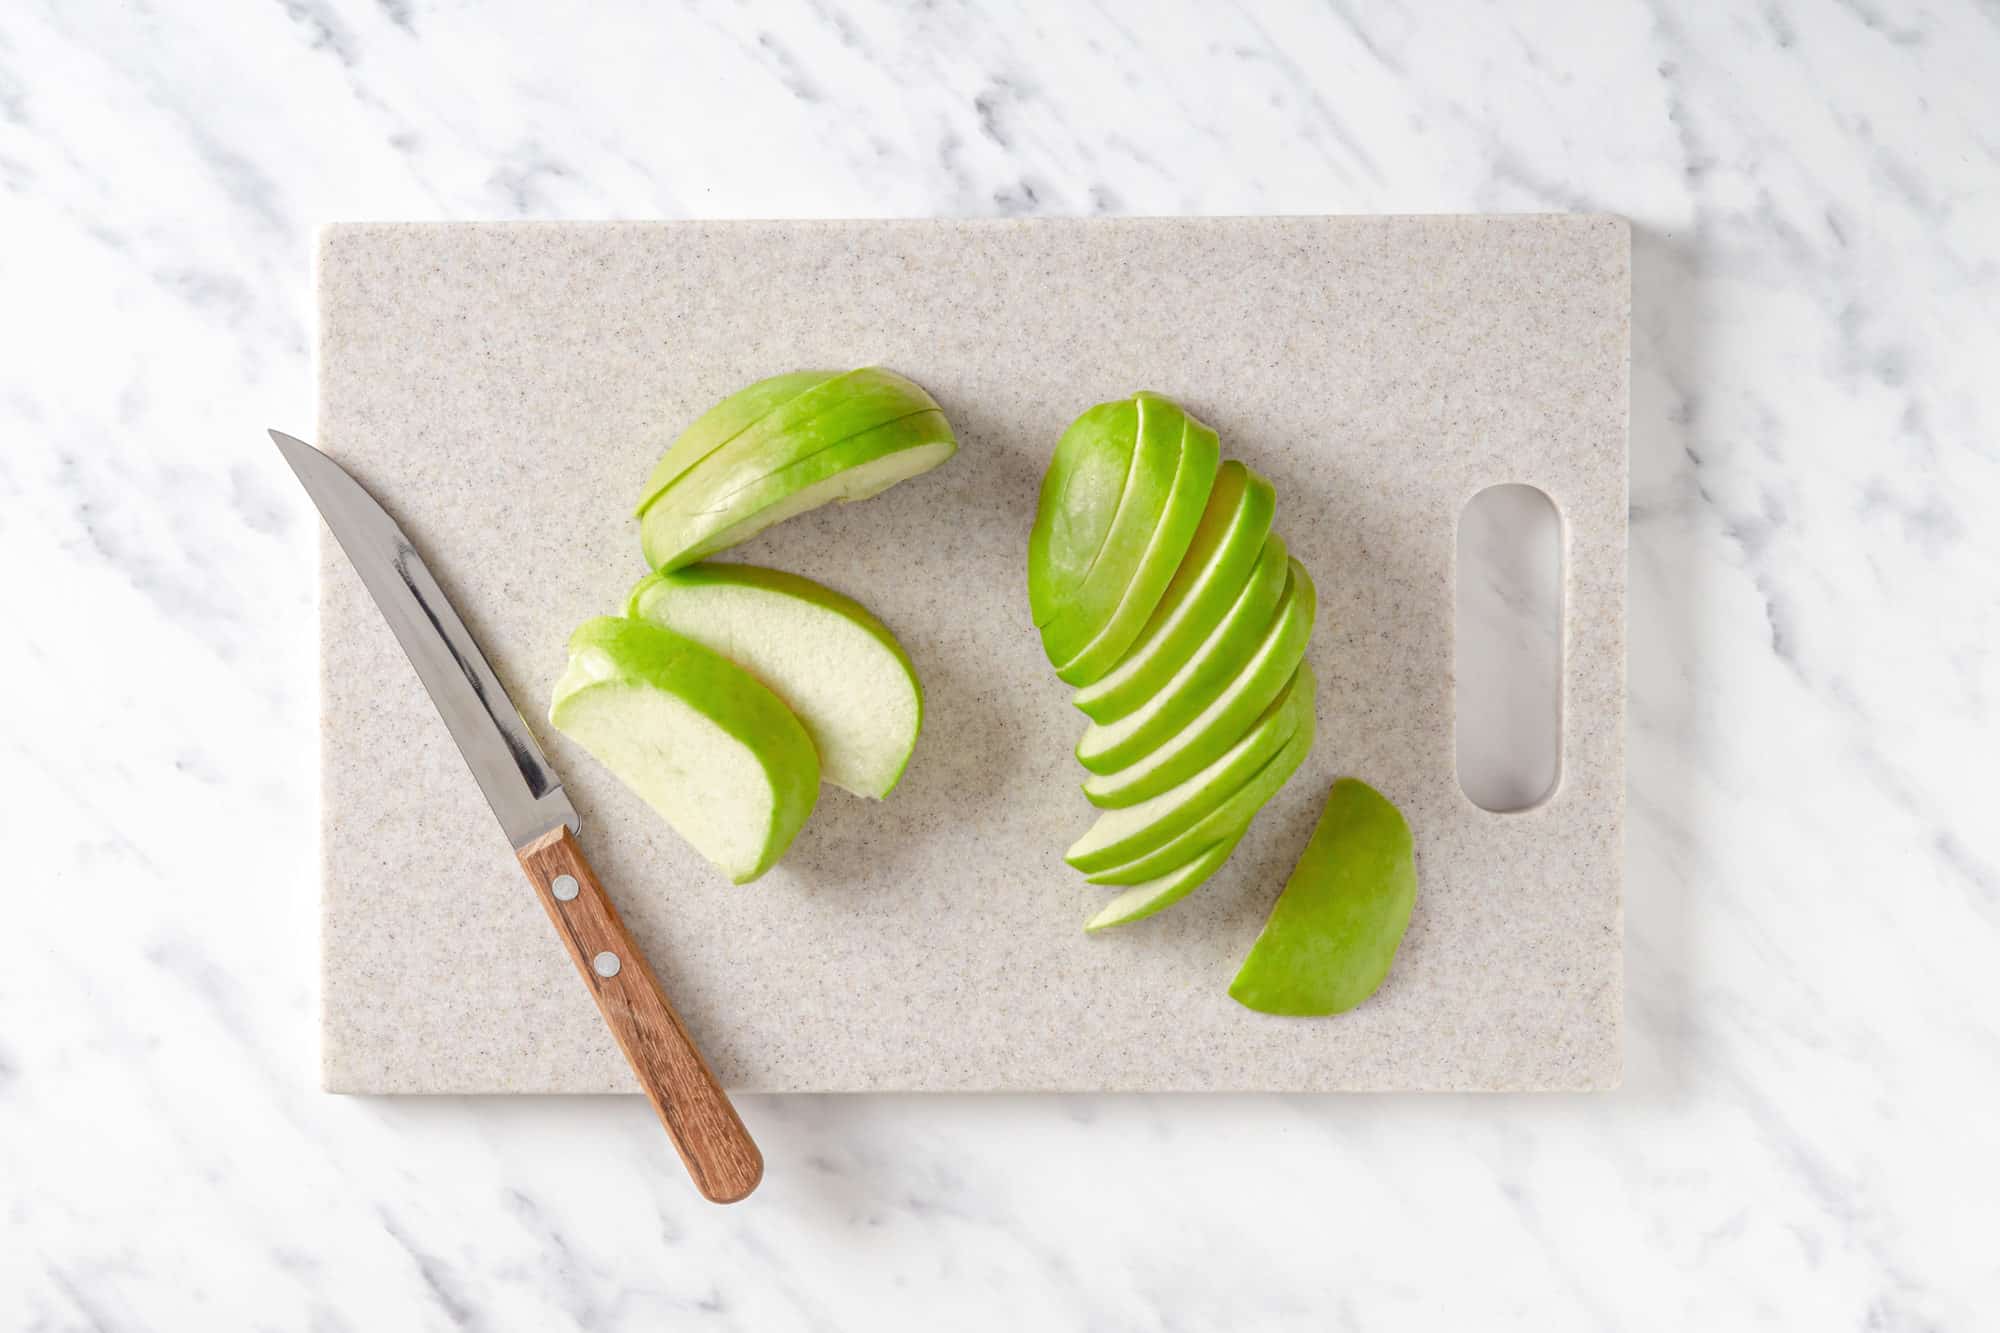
(1121, 836)
(1079, 498)
(1218, 563)
(1180, 731)
(1201, 456)
(838, 667)
(1142, 900)
(1228, 820)
(728, 419)
(1333, 935)
(719, 756)
(846, 437)
(1156, 458)
(711, 510)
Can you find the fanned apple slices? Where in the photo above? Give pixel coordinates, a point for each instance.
(1174, 459)
(1194, 850)
(1120, 838)
(1161, 591)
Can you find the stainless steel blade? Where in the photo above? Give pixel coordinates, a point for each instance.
(523, 790)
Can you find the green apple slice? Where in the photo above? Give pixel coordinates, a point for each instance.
(1121, 836)
(1149, 776)
(1142, 900)
(838, 667)
(1155, 465)
(712, 509)
(1333, 935)
(1079, 498)
(1201, 456)
(831, 408)
(1218, 660)
(1124, 772)
(1227, 820)
(1218, 562)
(730, 418)
(1172, 737)
(720, 757)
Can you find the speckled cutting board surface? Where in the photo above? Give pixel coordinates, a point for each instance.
(505, 388)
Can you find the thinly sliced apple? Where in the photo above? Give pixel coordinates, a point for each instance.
(1214, 729)
(1142, 900)
(1218, 563)
(730, 418)
(1079, 498)
(824, 411)
(1155, 464)
(1227, 820)
(838, 667)
(703, 514)
(719, 756)
(1333, 935)
(1121, 836)
(1207, 677)
(1201, 455)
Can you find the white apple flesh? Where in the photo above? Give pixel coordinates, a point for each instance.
(715, 753)
(837, 666)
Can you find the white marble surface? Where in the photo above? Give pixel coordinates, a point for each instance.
(1806, 1137)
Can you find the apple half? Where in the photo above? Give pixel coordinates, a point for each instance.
(1211, 576)
(1333, 935)
(1181, 730)
(1121, 836)
(847, 437)
(719, 756)
(839, 668)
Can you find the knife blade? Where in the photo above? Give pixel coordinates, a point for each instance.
(540, 823)
(526, 796)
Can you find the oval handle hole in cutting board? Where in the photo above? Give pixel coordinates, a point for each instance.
(1509, 648)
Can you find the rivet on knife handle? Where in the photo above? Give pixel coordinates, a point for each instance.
(719, 1153)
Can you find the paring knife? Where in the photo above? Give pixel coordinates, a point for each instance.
(540, 823)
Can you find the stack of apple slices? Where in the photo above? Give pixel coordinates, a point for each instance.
(1162, 593)
(782, 446)
(727, 692)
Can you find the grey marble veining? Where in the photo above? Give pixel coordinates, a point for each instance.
(1804, 1137)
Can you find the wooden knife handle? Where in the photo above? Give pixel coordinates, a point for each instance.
(705, 1128)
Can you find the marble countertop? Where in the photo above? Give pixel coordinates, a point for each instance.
(1805, 1138)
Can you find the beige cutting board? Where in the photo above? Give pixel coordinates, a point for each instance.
(504, 389)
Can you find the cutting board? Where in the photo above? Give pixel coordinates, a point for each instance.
(504, 389)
